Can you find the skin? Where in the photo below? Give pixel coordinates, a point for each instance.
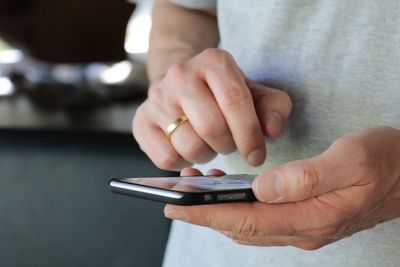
(352, 186)
(226, 111)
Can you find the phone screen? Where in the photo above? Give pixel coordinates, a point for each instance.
(196, 183)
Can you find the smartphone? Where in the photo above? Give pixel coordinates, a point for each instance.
(188, 190)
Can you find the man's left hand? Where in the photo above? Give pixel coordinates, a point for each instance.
(352, 186)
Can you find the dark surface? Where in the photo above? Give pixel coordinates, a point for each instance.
(19, 112)
(56, 209)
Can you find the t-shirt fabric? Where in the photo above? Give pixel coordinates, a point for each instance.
(340, 63)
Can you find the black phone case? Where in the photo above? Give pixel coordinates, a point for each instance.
(190, 198)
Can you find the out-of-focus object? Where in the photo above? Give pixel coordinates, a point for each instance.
(65, 86)
(8, 59)
(71, 54)
(66, 31)
(138, 30)
(6, 87)
(10, 56)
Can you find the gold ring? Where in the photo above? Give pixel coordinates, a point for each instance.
(172, 127)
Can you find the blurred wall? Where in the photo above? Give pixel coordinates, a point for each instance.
(66, 31)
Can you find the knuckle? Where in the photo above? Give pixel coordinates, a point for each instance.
(209, 128)
(350, 143)
(215, 55)
(344, 142)
(178, 72)
(307, 180)
(310, 180)
(246, 227)
(359, 151)
(248, 141)
(155, 95)
(234, 96)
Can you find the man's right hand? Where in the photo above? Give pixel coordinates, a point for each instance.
(225, 110)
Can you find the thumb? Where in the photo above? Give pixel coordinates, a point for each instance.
(299, 180)
(273, 108)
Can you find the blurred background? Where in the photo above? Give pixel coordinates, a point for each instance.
(71, 76)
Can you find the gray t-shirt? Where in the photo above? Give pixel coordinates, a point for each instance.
(340, 63)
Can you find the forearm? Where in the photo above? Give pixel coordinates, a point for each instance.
(178, 34)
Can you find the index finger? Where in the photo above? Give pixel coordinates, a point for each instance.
(234, 98)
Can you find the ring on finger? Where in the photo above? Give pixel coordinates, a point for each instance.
(174, 125)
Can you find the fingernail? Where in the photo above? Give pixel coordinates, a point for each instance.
(269, 188)
(275, 119)
(175, 213)
(256, 157)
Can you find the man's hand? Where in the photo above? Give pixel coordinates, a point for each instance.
(226, 112)
(352, 186)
